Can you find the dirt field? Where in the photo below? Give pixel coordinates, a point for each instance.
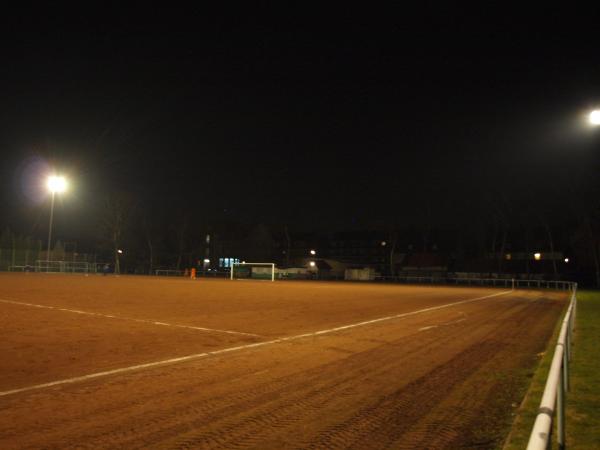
(133, 362)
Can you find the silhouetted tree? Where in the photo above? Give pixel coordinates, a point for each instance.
(116, 213)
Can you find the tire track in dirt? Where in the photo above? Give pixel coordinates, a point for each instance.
(237, 412)
(297, 408)
(264, 394)
(401, 409)
(127, 405)
(393, 418)
(205, 407)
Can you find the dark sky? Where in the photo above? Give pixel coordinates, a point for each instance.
(329, 119)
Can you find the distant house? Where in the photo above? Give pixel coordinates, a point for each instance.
(429, 263)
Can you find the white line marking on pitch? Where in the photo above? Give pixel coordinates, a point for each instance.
(87, 313)
(233, 349)
(442, 324)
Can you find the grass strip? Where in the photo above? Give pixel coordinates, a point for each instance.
(583, 399)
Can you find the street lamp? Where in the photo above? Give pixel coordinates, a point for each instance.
(55, 185)
(594, 117)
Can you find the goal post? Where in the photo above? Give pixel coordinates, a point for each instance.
(254, 271)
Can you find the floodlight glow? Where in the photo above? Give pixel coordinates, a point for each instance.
(594, 117)
(120, 252)
(206, 261)
(312, 264)
(56, 184)
(383, 243)
(566, 260)
(313, 252)
(537, 256)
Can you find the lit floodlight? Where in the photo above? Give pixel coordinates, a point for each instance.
(383, 243)
(206, 261)
(120, 252)
(56, 184)
(313, 252)
(566, 260)
(594, 117)
(312, 264)
(537, 256)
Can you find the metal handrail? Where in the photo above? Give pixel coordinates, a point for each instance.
(506, 282)
(557, 384)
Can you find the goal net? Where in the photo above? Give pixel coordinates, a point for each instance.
(169, 273)
(62, 266)
(254, 271)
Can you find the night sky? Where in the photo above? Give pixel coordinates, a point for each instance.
(322, 120)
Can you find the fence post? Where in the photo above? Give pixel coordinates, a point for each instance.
(560, 411)
(566, 358)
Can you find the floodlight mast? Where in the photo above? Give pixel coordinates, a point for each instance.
(55, 184)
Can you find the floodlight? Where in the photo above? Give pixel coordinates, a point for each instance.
(120, 252)
(537, 256)
(566, 260)
(312, 264)
(313, 252)
(56, 184)
(594, 117)
(206, 261)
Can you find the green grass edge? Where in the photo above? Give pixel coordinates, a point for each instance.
(583, 398)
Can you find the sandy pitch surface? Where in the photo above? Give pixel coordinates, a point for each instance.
(135, 362)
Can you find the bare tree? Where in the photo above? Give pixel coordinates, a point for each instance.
(288, 249)
(500, 214)
(181, 233)
(116, 213)
(548, 230)
(393, 244)
(587, 235)
(591, 235)
(149, 238)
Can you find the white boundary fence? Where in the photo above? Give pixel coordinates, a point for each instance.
(513, 283)
(557, 385)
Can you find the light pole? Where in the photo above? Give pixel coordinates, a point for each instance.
(55, 184)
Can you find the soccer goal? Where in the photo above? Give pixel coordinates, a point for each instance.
(254, 271)
(169, 273)
(61, 266)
